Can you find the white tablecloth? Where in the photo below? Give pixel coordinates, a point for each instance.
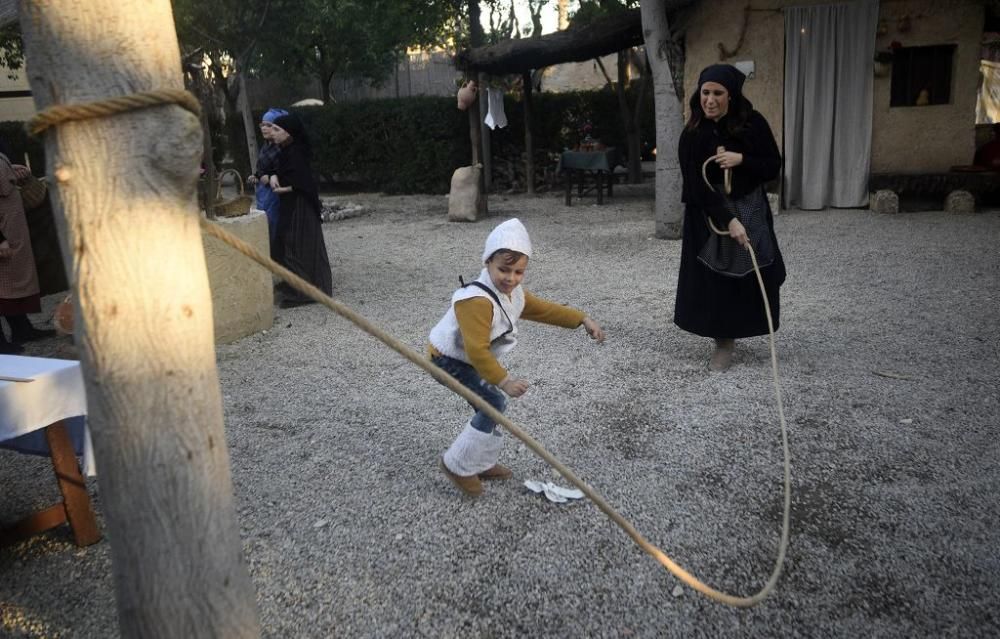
(26, 408)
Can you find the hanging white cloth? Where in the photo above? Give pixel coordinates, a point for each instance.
(495, 117)
(829, 53)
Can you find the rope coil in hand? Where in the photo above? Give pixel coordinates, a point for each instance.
(59, 114)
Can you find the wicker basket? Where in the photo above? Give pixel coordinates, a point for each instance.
(237, 206)
(32, 192)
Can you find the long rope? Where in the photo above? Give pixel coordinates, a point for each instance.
(66, 113)
(440, 375)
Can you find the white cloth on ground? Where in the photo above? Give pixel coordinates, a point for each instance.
(473, 451)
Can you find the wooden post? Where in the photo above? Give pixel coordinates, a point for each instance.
(529, 143)
(123, 194)
(249, 126)
(487, 155)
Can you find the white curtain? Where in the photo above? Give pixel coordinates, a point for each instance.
(829, 51)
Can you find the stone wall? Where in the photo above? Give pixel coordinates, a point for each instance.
(242, 292)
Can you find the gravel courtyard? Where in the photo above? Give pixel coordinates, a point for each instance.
(888, 352)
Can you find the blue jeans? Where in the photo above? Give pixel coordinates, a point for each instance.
(468, 377)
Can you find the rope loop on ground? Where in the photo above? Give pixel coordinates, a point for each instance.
(62, 113)
(440, 375)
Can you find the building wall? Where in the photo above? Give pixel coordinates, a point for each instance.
(936, 137)
(917, 139)
(15, 108)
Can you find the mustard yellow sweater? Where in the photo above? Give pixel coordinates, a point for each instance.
(475, 317)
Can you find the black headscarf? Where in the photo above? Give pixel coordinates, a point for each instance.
(725, 74)
(293, 125)
(740, 107)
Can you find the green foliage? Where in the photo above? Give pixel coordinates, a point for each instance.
(11, 47)
(406, 145)
(321, 38)
(413, 145)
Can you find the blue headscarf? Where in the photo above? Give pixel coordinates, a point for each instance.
(273, 114)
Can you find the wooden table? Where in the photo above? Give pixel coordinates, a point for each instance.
(45, 414)
(582, 164)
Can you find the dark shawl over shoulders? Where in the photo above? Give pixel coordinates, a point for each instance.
(710, 304)
(299, 243)
(295, 171)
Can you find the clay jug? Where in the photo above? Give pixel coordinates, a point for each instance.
(467, 95)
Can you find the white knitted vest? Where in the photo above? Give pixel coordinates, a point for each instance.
(447, 338)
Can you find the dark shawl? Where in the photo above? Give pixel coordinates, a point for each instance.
(707, 303)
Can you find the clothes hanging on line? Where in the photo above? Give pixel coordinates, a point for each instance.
(495, 117)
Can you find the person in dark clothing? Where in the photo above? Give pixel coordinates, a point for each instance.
(267, 162)
(299, 244)
(709, 303)
(19, 291)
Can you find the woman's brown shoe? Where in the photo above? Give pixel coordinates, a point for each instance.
(469, 485)
(496, 472)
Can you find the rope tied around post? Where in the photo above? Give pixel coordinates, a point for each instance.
(62, 113)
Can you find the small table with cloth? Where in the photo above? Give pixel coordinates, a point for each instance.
(600, 164)
(42, 412)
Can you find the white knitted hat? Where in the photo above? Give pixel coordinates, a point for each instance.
(510, 235)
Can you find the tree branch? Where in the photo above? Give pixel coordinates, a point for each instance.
(8, 12)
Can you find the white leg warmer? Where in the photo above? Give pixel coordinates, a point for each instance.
(473, 451)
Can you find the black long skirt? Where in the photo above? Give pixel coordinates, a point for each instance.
(714, 305)
(299, 246)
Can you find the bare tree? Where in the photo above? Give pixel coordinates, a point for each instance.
(125, 206)
(669, 119)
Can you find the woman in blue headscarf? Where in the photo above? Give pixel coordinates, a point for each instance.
(267, 165)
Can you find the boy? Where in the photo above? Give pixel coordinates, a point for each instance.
(481, 325)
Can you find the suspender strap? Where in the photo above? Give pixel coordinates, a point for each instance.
(495, 299)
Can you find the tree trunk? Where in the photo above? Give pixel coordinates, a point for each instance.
(529, 142)
(630, 119)
(476, 37)
(249, 127)
(487, 151)
(124, 198)
(669, 121)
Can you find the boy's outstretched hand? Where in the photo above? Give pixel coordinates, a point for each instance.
(514, 387)
(593, 329)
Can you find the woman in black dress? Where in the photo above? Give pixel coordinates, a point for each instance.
(709, 303)
(299, 244)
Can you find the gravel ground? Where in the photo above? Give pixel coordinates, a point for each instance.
(889, 363)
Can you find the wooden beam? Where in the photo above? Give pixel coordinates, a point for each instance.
(577, 44)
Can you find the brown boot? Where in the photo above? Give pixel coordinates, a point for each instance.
(469, 485)
(496, 472)
(722, 356)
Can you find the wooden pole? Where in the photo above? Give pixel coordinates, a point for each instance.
(124, 199)
(249, 126)
(529, 143)
(487, 154)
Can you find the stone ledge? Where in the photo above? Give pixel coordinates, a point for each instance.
(242, 292)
